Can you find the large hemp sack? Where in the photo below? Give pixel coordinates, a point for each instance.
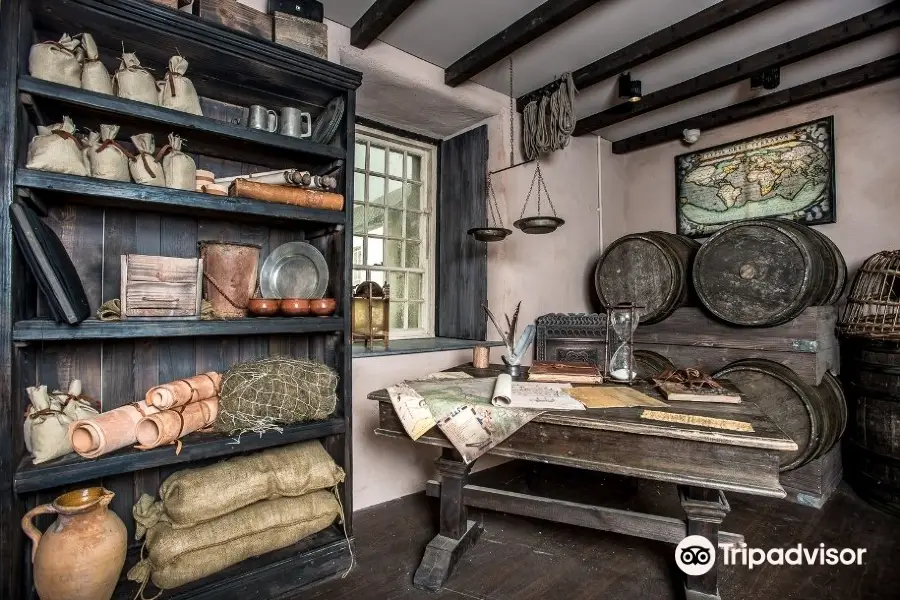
(175, 557)
(177, 91)
(107, 159)
(144, 166)
(94, 75)
(59, 62)
(192, 496)
(133, 82)
(55, 148)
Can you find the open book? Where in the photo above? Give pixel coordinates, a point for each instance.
(542, 396)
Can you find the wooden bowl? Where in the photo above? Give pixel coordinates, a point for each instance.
(295, 307)
(323, 307)
(262, 307)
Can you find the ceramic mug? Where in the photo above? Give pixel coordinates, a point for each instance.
(263, 118)
(295, 122)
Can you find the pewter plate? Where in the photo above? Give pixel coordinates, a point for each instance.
(294, 270)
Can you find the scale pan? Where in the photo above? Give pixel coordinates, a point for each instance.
(539, 224)
(489, 234)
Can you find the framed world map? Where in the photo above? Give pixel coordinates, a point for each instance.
(785, 174)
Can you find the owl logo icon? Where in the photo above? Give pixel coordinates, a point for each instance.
(695, 555)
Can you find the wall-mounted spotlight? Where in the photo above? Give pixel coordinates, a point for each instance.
(768, 79)
(629, 89)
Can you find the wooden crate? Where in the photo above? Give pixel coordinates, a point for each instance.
(690, 338)
(160, 286)
(235, 15)
(815, 482)
(300, 34)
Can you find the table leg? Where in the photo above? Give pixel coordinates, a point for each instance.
(457, 533)
(705, 510)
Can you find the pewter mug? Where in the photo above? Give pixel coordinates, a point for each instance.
(263, 118)
(295, 122)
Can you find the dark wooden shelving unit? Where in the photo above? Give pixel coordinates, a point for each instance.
(99, 220)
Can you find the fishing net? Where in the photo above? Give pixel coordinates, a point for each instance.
(262, 395)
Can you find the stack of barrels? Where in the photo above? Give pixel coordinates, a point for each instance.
(757, 273)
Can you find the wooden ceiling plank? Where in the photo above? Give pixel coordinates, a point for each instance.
(868, 74)
(823, 40)
(376, 20)
(539, 21)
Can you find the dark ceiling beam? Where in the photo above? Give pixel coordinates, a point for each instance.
(542, 19)
(829, 38)
(880, 70)
(703, 23)
(378, 18)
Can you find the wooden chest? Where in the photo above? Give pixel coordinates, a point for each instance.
(234, 15)
(160, 286)
(300, 34)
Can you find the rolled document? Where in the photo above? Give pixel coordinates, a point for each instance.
(184, 391)
(541, 396)
(108, 431)
(169, 425)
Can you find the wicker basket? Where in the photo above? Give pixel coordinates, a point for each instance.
(873, 306)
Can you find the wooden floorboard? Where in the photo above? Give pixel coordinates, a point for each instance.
(525, 559)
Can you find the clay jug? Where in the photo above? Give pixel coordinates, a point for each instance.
(80, 556)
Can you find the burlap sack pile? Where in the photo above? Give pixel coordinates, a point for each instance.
(94, 75)
(59, 62)
(144, 166)
(213, 517)
(134, 82)
(47, 420)
(55, 148)
(106, 158)
(177, 91)
(180, 169)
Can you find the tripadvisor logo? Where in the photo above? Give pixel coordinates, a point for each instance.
(696, 555)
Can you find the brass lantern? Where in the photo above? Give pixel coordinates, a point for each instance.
(371, 313)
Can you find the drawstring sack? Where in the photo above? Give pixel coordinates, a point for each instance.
(94, 75)
(57, 61)
(55, 148)
(144, 167)
(107, 159)
(47, 420)
(180, 169)
(133, 82)
(177, 91)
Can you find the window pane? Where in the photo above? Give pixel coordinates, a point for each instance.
(393, 255)
(375, 249)
(375, 220)
(395, 164)
(359, 218)
(397, 280)
(357, 250)
(395, 222)
(377, 277)
(358, 277)
(376, 190)
(395, 193)
(413, 223)
(397, 313)
(376, 159)
(415, 286)
(414, 311)
(413, 167)
(414, 196)
(412, 255)
(360, 158)
(359, 187)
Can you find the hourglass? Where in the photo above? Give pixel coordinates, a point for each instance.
(621, 321)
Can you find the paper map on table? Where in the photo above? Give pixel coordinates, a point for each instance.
(411, 409)
(540, 396)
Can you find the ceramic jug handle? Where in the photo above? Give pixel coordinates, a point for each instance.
(30, 530)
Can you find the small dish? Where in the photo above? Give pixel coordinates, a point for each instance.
(294, 307)
(323, 307)
(262, 307)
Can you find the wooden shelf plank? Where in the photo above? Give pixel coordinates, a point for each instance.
(118, 194)
(72, 468)
(45, 330)
(186, 122)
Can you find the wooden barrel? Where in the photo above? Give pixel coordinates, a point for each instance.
(766, 272)
(649, 364)
(870, 371)
(650, 269)
(813, 416)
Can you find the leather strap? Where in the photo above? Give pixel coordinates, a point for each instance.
(106, 144)
(68, 136)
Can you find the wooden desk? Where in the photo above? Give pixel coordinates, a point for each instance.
(702, 462)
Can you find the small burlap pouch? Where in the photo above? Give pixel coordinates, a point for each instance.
(175, 557)
(133, 82)
(177, 91)
(262, 395)
(144, 167)
(192, 496)
(180, 169)
(48, 417)
(55, 148)
(94, 75)
(57, 61)
(107, 159)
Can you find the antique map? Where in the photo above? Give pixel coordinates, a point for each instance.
(787, 174)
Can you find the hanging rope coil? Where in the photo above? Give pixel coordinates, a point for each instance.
(548, 123)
